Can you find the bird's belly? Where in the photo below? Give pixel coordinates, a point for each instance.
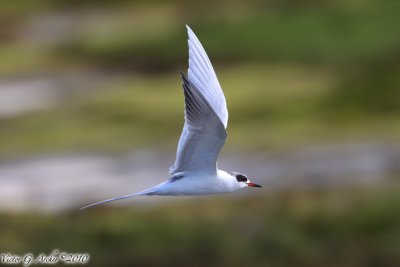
(192, 187)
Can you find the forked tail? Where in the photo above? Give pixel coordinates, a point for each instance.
(142, 193)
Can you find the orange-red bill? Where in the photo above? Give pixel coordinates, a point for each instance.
(253, 184)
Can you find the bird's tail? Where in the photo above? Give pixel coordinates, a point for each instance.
(142, 193)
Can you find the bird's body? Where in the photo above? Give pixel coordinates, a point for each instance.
(195, 170)
(197, 183)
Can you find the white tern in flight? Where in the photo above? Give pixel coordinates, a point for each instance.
(195, 170)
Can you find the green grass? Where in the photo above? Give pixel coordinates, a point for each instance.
(20, 59)
(352, 227)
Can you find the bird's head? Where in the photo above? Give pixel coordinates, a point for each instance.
(243, 180)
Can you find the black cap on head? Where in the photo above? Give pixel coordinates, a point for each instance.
(240, 177)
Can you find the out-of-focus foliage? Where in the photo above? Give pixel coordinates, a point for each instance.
(372, 88)
(356, 227)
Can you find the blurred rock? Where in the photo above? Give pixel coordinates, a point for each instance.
(21, 96)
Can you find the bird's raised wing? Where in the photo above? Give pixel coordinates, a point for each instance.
(206, 115)
(202, 75)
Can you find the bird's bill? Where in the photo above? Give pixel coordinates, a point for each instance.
(253, 184)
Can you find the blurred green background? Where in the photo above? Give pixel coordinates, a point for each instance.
(101, 78)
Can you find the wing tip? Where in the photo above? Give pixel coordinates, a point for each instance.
(191, 35)
(188, 28)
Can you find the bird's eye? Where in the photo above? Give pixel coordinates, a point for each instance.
(241, 178)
